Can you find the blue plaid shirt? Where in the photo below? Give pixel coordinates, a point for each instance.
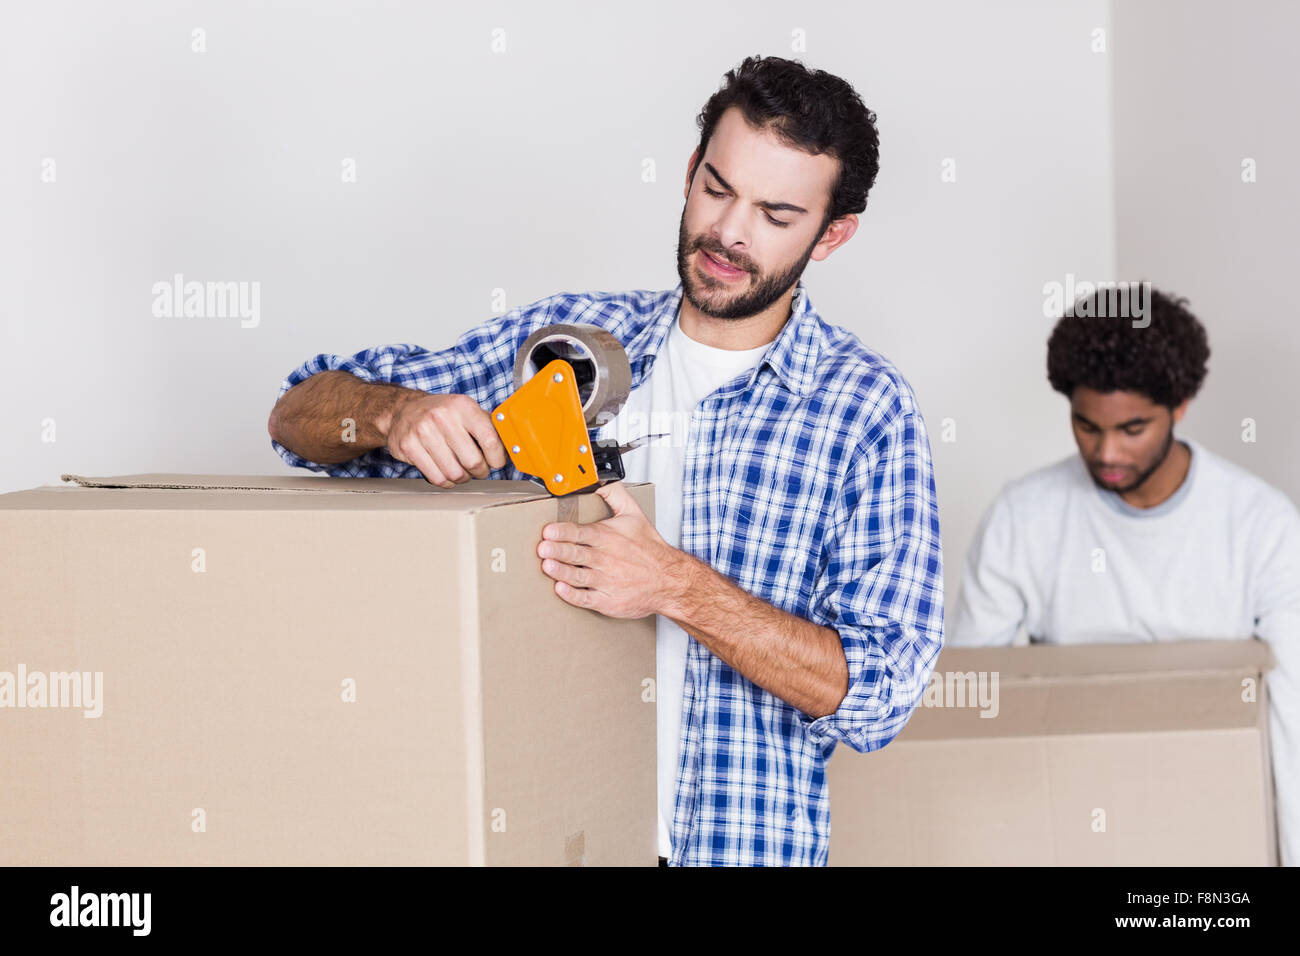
(808, 483)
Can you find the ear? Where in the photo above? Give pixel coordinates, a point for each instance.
(838, 232)
(690, 172)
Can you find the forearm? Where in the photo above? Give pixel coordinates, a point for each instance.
(317, 417)
(799, 661)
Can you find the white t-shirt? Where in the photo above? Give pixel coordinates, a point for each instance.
(1071, 563)
(685, 372)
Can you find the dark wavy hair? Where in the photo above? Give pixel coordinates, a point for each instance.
(811, 110)
(1165, 360)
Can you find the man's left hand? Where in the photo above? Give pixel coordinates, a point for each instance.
(620, 566)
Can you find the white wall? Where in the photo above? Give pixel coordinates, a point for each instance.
(1199, 88)
(520, 171)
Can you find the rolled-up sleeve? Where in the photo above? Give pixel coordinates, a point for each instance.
(480, 364)
(882, 585)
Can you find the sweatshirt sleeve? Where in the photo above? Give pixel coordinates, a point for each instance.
(1277, 621)
(992, 605)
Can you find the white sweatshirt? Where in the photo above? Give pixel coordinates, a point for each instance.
(1220, 558)
(684, 372)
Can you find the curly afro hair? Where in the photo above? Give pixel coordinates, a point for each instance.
(1165, 360)
(810, 110)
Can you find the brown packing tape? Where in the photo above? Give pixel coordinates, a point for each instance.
(611, 380)
(575, 849)
(567, 509)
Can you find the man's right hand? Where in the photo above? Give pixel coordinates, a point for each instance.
(449, 438)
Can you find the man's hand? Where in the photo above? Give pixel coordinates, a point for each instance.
(449, 438)
(621, 566)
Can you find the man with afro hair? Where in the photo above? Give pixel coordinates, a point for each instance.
(1142, 536)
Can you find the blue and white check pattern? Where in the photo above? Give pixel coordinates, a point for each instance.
(808, 483)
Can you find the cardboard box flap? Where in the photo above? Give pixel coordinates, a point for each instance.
(314, 483)
(185, 492)
(1054, 690)
(1048, 661)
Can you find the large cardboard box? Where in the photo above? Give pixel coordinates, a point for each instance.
(1108, 755)
(313, 670)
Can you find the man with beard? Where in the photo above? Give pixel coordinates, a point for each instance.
(794, 563)
(1142, 536)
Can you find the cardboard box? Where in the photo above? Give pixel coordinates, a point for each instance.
(1093, 755)
(312, 670)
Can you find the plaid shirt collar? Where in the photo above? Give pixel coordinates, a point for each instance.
(792, 355)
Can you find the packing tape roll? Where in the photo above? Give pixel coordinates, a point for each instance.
(599, 363)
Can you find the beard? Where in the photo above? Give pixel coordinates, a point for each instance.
(714, 297)
(1143, 474)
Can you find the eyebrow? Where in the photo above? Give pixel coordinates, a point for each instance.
(1128, 424)
(769, 206)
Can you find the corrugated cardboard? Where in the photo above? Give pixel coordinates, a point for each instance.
(492, 722)
(1095, 755)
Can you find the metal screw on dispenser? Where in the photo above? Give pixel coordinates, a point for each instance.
(501, 416)
(582, 449)
(514, 449)
(559, 479)
(558, 377)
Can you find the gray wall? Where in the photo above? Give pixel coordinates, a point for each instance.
(1199, 89)
(522, 171)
